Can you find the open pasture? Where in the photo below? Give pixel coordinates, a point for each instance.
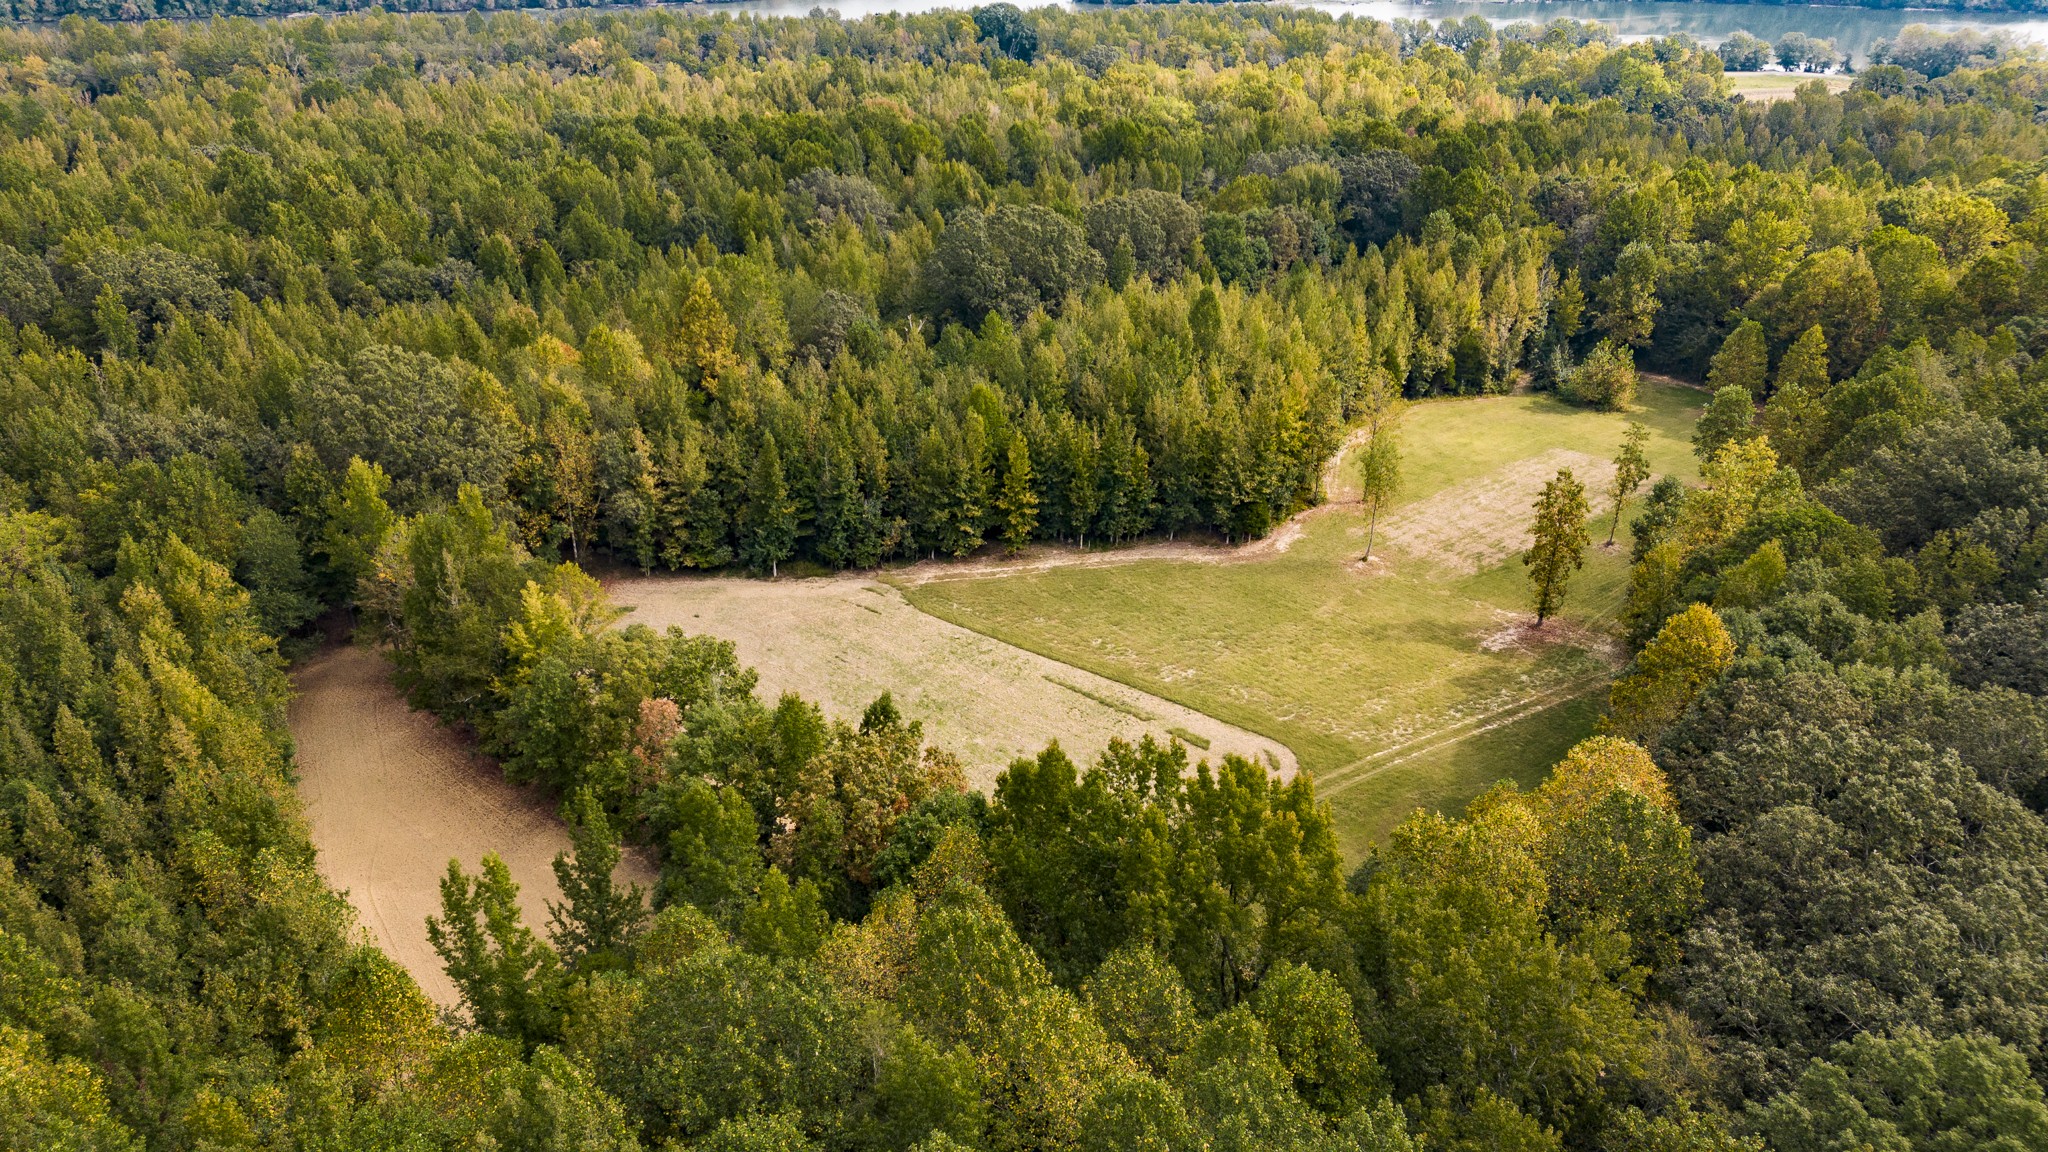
(1412, 680)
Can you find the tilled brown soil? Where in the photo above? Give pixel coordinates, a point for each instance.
(392, 795)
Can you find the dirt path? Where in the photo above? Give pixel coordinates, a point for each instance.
(392, 795)
(843, 640)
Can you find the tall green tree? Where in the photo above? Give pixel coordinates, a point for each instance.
(1017, 502)
(509, 979)
(1631, 468)
(1559, 542)
(1730, 415)
(767, 521)
(1743, 361)
(596, 922)
(1379, 480)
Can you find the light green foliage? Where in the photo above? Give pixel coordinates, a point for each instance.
(1559, 545)
(1631, 468)
(1607, 380)
(1750, 583)
(1742, 362)
(786, 922)
(755, 1133)
(1308, 1014)
(357, 523)
(1140, 1001)
(1730, 415)
(52, 1104)
(1379, 480)
(508, 977)
(1017, 504)
(1687, 654)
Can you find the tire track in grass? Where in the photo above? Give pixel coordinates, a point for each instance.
(1341, 779)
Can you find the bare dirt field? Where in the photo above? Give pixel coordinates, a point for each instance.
(392, 795)
(842, 641)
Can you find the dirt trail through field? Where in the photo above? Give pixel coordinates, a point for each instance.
(392, 795)
(841, 641)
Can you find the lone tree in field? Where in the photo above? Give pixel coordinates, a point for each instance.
(1560, 545)
(1631, 468)
(1379, 479)
(1379, 465)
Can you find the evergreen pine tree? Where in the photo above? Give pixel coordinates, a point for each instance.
(768, 517)
(1017, 504)
(596, 923)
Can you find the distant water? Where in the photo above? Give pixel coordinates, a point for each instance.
(1853, 30)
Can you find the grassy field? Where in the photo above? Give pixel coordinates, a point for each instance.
(1410, 681)
(841, 641)
(1765, 87)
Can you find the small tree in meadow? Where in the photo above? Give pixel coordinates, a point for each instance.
(1379, 481)
(1631, 468)
(1560, 542)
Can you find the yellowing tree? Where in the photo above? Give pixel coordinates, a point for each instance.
(701, 344)
(1595, 768)
(1689, 653)
(1738, 478)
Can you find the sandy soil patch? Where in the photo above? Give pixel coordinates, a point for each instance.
(1485, 521)
(392, 795)
(843, 640)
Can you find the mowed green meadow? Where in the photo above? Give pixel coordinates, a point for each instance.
(1410, 682)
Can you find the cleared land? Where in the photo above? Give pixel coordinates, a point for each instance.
(392, 795)
(1768, 87)
(1411, 681)
(844, 640)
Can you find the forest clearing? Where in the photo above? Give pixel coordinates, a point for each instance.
(392, 794)
(1409, 682)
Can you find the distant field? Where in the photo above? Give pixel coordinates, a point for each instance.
(1409, 682)
(1765, 87)
(843, 640)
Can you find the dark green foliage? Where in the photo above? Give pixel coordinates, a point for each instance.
(1012, 260)
(1909, 1092)
(596, 923)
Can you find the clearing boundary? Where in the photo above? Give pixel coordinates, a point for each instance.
(392, 794)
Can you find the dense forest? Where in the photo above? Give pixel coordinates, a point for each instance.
(401, 319)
